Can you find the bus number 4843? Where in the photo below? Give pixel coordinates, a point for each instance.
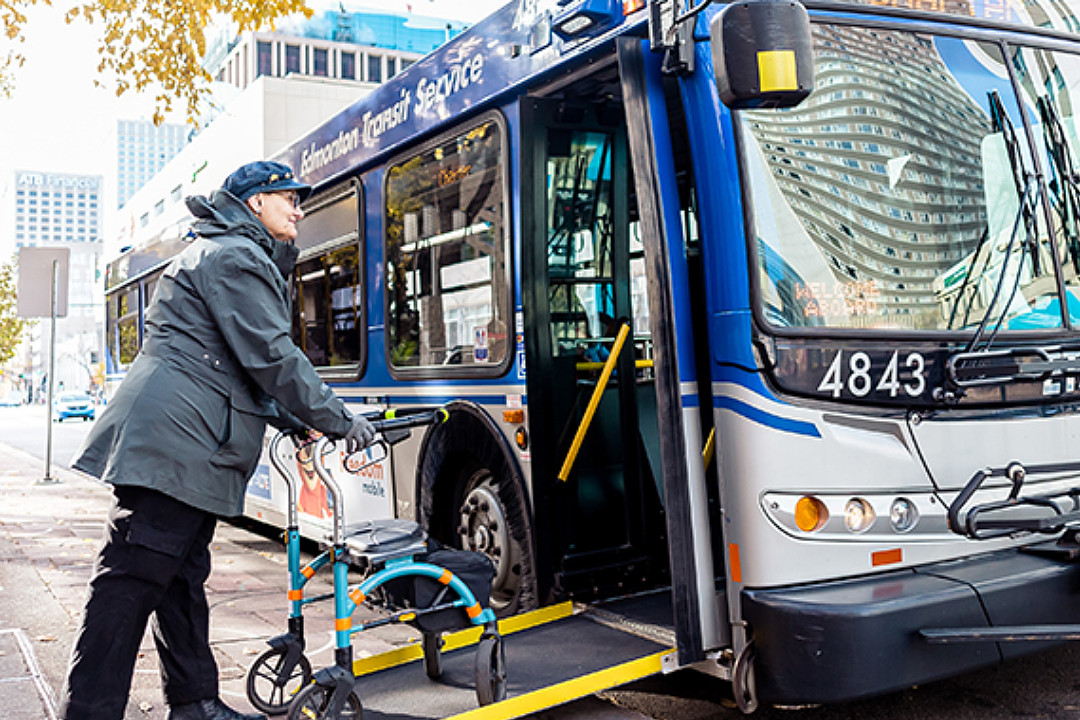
(859, 377)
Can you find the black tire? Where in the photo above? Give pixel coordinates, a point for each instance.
(310, 704)
(484, 526)
(263, 689)
(469, 454)
(490, 670)
(432, 644)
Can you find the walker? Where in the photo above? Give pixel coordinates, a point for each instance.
(389, 551)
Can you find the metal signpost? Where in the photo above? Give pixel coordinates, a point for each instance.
(42, 291)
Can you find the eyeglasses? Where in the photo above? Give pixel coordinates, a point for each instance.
(290, 197)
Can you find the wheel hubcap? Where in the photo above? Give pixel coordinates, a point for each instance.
(484, 529)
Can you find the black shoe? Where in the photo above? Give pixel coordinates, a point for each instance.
(209, 710)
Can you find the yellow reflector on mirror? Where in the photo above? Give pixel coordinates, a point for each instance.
(777, 70)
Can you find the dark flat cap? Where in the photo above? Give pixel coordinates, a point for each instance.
(264, 176)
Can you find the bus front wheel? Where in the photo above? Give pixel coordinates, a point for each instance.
(471, 495)
(484, 526)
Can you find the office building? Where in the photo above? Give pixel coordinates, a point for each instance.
(61, 210)
(53, 208)
(360, 47)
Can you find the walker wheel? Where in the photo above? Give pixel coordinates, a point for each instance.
(312, 703)
(432, 644)
(490, 670)
(265, 691)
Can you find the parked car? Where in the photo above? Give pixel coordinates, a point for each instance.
(73, 405)
(11, 401)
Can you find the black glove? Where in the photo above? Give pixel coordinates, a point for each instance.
(360, 435)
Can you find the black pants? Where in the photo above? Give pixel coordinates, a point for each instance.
(155, 559)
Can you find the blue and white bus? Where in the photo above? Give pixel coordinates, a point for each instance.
(838, 439)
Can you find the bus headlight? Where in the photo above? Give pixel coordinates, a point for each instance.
(810, 514)
(903, 515)
(858, 515)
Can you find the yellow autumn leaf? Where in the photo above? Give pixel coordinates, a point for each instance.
(155, 42)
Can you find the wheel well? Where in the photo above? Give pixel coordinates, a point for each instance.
(450, 453)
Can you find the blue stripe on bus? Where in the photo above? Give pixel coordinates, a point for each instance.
(796, 427)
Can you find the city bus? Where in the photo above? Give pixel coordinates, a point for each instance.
(130, 280)
(755, 317)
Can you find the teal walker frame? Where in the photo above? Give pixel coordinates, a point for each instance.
(281, 679)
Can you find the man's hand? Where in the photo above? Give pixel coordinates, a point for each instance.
(360, 435)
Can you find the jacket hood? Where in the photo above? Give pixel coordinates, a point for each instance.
(222, 214)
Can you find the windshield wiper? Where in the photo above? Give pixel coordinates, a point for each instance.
(974, 366)
(1001, 123)
(978, 364)
(1064, 185)
(1025, 214)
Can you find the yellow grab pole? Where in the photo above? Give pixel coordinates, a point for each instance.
(598, 392)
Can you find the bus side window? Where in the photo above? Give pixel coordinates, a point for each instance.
(446, 253)
(328, 284)
(127, 325)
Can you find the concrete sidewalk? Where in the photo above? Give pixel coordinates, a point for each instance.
(49, 536)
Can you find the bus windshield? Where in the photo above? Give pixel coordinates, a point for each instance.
(903, 194)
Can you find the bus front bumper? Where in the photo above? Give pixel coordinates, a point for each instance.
(841, 640)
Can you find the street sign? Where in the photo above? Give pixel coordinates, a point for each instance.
(34, 290)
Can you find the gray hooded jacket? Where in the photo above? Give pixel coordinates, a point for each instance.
(216, 365)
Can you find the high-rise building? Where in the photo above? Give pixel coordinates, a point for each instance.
(142, 149)
(61, 210)
(55, 208)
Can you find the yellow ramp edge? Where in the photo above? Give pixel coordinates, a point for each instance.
(462, 638)
(568, 690)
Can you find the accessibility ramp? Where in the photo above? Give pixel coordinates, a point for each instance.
(553, 655)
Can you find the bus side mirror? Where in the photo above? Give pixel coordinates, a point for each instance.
(763, 54)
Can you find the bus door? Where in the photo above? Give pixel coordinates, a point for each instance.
(584, 280)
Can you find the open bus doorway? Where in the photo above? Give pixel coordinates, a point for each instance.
(584, 279)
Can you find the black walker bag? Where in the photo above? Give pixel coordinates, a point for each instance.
(417, 591)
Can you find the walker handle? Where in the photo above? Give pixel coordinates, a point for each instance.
(396, 425)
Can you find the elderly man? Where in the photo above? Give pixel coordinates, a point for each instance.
(183, 435)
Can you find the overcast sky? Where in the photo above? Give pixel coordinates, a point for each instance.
(57, 121)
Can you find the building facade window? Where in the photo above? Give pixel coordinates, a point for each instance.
(348, 66)
(374, 73)
(320, 63)
(265, 54)
(292, 59)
